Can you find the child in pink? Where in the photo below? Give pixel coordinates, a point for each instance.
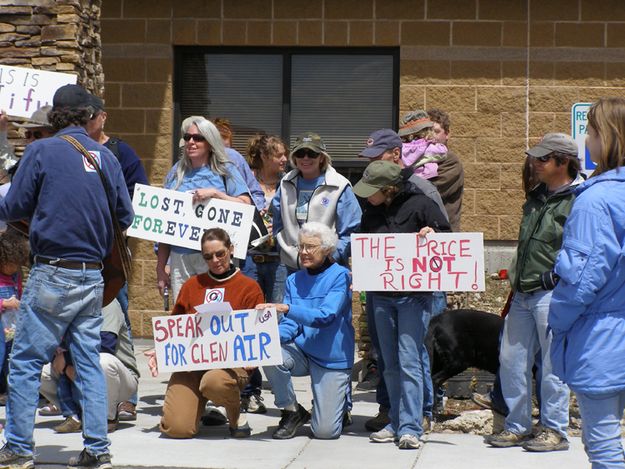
(420, 151)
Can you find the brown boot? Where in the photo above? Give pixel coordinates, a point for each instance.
(69, 425)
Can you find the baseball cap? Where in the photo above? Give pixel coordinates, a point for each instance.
(38, 119)
(377, 175)
(71, 97)
(551, 142)
(96, 103)
(381, 141)
(414, 121)
(310, 141)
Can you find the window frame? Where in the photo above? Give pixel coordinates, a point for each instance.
(342, 164)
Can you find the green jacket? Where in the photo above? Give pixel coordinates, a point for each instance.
(540, 235)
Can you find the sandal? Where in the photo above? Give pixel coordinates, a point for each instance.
(49, 410)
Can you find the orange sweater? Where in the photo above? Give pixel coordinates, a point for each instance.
(242, 292)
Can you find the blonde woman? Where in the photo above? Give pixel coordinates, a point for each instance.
(205, 170)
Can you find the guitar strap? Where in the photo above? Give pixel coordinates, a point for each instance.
(120, 241)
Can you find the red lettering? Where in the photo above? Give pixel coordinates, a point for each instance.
(387, 279)
(198, 328)
(388, 245)
(465, 248)
(194, 358)
(158, 328)
(434, 282)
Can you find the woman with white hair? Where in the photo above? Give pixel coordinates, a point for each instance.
(205, 170)
(317, 337)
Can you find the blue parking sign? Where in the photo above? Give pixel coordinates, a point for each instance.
(579, 123)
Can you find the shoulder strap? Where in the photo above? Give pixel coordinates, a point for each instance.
(113, 144)
(117, 232)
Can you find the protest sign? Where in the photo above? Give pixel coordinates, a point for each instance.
(167, 216)
(407, 262)
(217, 337)
(24, 90)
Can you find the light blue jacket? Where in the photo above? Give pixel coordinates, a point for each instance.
(320, 316)
(587, 312)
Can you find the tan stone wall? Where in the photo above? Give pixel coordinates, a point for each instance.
(56, 35)
(506, 71)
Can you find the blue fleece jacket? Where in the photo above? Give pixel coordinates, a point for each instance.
(587, 310)
(64, 198)
(133, 170)
(320, 316)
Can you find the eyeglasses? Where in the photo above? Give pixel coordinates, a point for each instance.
(34, 134)
(310, 154)
(309, 248)
(209, 256)
(195, 137)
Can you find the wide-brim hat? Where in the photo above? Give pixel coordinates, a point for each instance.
(38, 119)
(413, 122)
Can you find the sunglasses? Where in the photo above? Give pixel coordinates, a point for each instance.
(218, 255)
(303, 153)
(195, 137)
(34, 134)
(544, 159)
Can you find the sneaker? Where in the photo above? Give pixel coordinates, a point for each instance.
(126, 411)
(547, 440)
(15, 461)
(347, 419)
(253, 404)
(371, 379)
(378, 422)
(213, 418)
(383, 436)
(290, 422)
(409, 442)
(88, 460)
(483, 400)
(427, 424)
(506, 439)
(69, 425)
(242, 431)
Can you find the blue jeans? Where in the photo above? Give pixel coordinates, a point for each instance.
(68, 396)
(399, 325)
(381, 394)
(524, 334)
(58, 302)
(428, 387)
(271, 276)
(329, 387)
(601, 428)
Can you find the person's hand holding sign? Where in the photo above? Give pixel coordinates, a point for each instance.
(423, 232)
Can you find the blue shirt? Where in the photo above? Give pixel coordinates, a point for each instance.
(133, 170)
(65, 200)
(202, 178)
(258, 196)
(320, 316)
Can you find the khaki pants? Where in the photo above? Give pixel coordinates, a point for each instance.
(187, 393)
(121, 384)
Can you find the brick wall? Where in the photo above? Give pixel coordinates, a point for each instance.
(506, 71)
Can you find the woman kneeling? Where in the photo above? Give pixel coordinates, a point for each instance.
(317, 337)
(188, 391)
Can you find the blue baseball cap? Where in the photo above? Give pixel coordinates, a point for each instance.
(381, 141)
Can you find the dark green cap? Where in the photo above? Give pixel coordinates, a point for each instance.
(310, 141)
(377, 175)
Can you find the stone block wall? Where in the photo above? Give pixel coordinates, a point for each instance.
(506, 71)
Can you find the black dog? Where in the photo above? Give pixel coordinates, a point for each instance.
(461, 339)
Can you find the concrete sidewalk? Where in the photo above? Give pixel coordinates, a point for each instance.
(139, 444)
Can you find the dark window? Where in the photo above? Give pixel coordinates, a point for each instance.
(342, 94)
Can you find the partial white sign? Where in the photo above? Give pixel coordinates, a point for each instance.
(406, 262)
(24, 90)
(167, 216)
(579, 125)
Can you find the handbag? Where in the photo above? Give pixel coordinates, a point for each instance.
(117, 265)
